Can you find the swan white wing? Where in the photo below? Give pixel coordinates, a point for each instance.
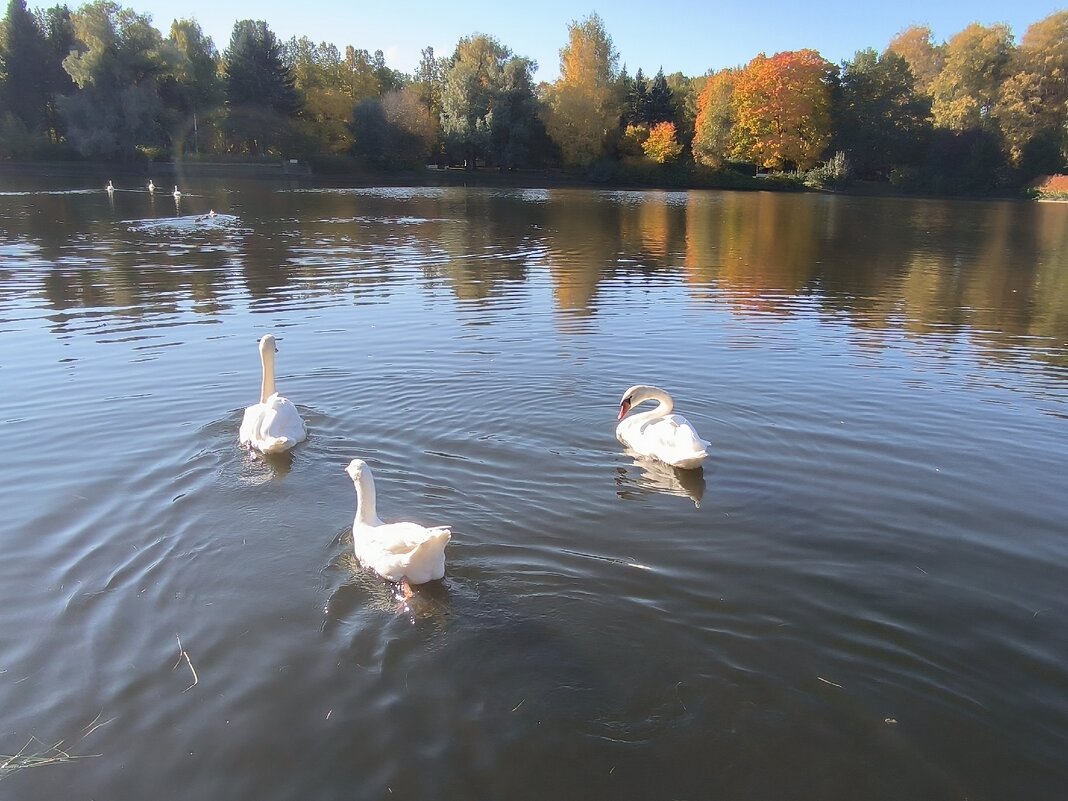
(273, 426)
(402, 550)
(250, 425)
(670, 439)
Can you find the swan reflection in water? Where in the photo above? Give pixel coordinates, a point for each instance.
(648, 476)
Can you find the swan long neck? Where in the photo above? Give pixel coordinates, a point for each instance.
(267, 383)
(365, 499)
(664, 403)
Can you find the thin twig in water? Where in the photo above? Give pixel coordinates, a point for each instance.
(839, 686)
(514, 708)
(184, 654)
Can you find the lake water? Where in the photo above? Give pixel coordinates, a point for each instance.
(861, 596)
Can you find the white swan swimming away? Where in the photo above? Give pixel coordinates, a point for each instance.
(152, 186)
(273, 425)
(405, 553)
(109, 187)
(177, 193)
(659, 433)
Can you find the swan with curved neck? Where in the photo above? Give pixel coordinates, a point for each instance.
(109, 187)
(404, 553)
(177, 192)
(151, 186)
(658, 433)
(273, 425)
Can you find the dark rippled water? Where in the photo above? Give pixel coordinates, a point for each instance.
(862, 596)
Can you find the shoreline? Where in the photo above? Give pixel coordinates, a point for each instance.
(553, 178)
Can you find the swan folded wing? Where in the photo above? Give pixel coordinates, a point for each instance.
(281, 425)
(250, 424)
(273, 426)
(674, 440)
(404, 550)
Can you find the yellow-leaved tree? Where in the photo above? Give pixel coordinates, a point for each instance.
(715, 119)
(924, 57)
(1032, 100)
(584, 103)
(661, 145)
(782, 109)
(966, 89)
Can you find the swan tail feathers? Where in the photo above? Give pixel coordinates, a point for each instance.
(276, 444)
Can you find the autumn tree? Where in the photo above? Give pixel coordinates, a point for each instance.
(361, 81)
(923, 56)
(584, 104)
(782, 109)
(882, 121)
(715, 119)
(319, 76)
(1032, 100)
(661, 145)
(966, 90)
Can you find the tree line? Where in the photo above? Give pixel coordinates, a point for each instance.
(977, 113)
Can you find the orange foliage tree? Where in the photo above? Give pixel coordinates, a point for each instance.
(661, 144)
(782, 109)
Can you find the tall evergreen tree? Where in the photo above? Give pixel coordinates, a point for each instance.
(661, 103)
(260, 88)
(636, 99)
(58, 28)
(23, 51)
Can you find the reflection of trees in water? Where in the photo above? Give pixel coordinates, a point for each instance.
(582, 235)
(487, 240)
(994, 270)
(752, 250)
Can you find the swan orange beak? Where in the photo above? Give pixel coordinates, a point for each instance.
(624, 407)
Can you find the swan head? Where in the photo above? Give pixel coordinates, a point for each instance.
(268, 344)
(357, 469)
(637, 394)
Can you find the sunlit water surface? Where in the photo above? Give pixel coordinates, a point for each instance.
(862, 596)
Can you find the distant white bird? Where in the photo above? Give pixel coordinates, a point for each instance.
(109, 187)
(405, 553)
(658, 433)
(152, 186)
(273, 425)
(177, 194)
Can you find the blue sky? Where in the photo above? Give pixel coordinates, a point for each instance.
(691, 37)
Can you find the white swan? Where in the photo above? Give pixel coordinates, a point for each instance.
(273, 425)
(406, 553)
(658, 433)
(152, 186)
(177, 194)
(109, 187)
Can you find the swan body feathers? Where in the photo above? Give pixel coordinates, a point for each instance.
(397, 552)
